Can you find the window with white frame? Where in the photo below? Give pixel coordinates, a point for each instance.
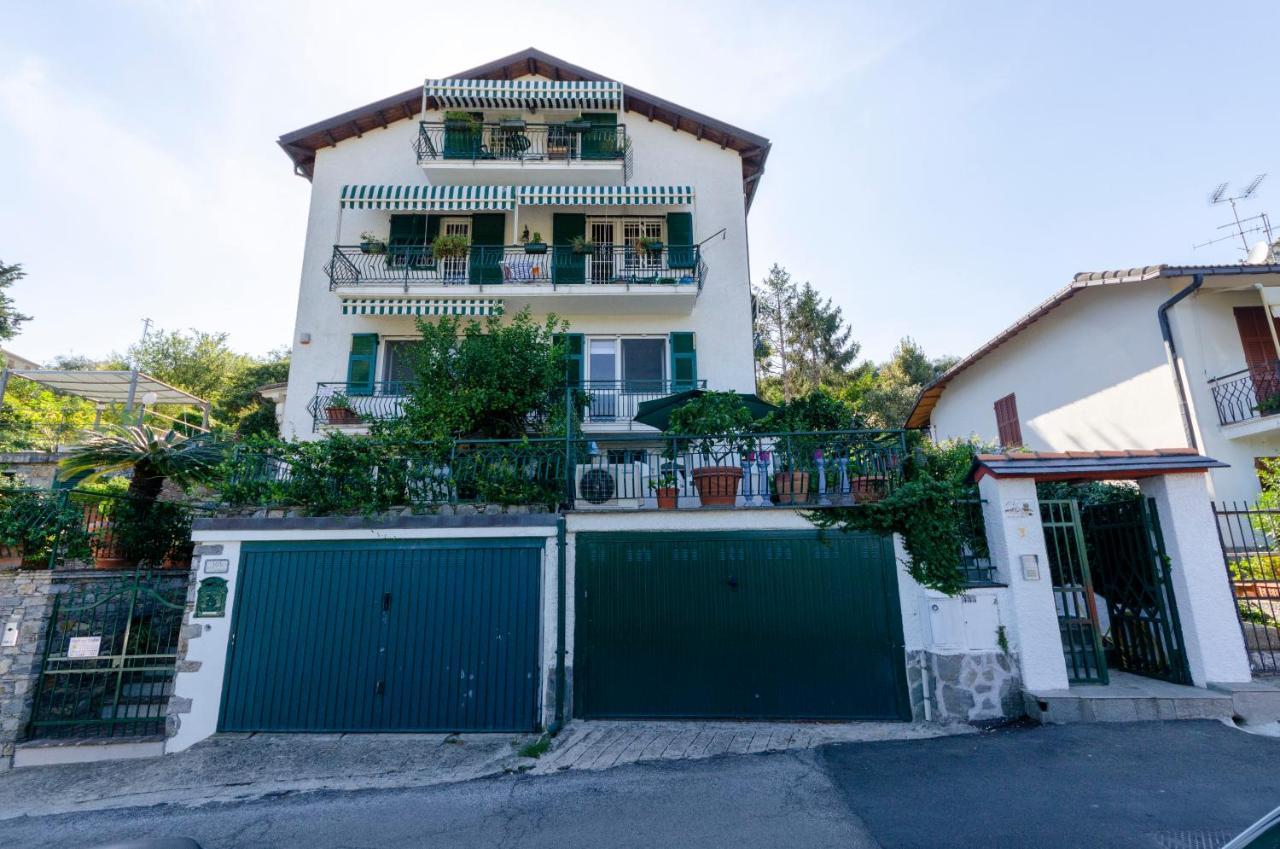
(622, 371)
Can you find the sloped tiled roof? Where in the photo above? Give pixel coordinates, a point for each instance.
(1092, 465)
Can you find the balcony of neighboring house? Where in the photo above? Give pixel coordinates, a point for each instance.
(522, 130)
(415, 250)
(1248, 401)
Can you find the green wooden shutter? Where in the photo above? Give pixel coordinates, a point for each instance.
(680, 252)
(600, 141)
(432, 231)
(362, 364)
(462, 140)
(684, 362)
(487, 232)
(575, 345)
(404, 246)
(566, 266)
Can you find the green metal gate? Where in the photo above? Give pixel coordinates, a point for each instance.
(1131, 576)
(393, 636)
(765, 624)
(1073, 593)
(109, 658)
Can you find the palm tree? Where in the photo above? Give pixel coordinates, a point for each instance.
(151, 455)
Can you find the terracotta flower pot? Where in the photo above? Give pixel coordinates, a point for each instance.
(10, 558)
(791, 487)
(666, 497)
(868, 488)
(717, 485)
(341, 416)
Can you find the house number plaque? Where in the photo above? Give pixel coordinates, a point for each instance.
(211, 598)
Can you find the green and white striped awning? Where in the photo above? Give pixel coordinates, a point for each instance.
(421, 306)
(429, 198)
(526, 94)
(604, 195)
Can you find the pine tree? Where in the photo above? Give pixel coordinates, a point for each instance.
(775, 300)
(10, 318)
(820, 345)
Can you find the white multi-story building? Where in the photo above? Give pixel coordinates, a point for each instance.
(525, 147)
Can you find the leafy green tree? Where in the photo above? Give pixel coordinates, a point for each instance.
(199, 362)
(241, 408)
(489, 379)
(34, 418)
(888, 401)
(820, 348)
(10, 318)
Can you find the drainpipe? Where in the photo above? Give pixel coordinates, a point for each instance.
(561, 569)
(1171, 354)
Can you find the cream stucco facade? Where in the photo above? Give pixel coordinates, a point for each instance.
(1092, 373)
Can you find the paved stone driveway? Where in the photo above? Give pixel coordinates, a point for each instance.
(600, 744)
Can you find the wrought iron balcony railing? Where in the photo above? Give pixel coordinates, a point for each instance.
(515, 265)
(606, 402)
(1247, 394)
(518, 141)
(813, 469)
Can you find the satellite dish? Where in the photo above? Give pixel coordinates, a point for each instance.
(1259, 254)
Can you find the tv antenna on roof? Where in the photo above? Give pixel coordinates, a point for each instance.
(1241, 227)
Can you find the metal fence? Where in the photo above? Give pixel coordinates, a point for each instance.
(634, 471)
(74, 528)
(975, 557)
(1247, 394)
(377, 264)
(1250, 537)
(109, 658)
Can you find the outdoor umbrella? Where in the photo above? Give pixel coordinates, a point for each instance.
(657, 413)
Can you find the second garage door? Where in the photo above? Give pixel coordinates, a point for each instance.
(759, 625)
(406, 636)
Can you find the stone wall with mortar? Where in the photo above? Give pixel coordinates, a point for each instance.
(26, 601)
(970, 687)
(35, 469)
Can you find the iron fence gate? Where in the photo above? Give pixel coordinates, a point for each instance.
(1130, 572)
(109, 658)
(1073, 593)
(1250, 537)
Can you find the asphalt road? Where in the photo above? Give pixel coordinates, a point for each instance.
(1169, 785)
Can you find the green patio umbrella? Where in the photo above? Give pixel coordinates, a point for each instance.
(657, 413)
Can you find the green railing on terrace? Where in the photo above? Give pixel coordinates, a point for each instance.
(633, 471)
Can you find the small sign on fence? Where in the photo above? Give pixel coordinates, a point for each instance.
(84, 647)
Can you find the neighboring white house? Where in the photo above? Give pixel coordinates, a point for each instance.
(10, 360)
(496, 158)
(1091, 369)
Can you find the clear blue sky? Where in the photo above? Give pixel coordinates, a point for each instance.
(938, 168)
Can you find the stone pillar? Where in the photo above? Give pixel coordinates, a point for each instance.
(1011, 513)
(26, 599)
(1210, 626)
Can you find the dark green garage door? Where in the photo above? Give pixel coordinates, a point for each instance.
(345, 636)
(752, 625)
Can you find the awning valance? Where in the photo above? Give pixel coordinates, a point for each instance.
(429, 198)
(604, 195)
(501, 198)
(422, 306)
(526, 94)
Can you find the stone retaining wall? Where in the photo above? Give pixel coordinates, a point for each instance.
(971, 687)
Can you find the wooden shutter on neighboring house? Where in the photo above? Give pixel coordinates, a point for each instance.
(1259, 350)
(684, 362)
(1007, 425)
(362, 364)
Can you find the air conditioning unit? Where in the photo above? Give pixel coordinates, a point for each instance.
(607, 486)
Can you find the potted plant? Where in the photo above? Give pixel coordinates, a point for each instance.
(450, 246)
(648, 245)
(581, 245)
(799, 425)
(338, 410)
(458, 120)
(715, 425)
(535, 245)
(664, 487)
(372, 244)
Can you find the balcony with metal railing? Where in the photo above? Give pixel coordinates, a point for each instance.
(408, 268)
(454, 147)
(607, 405)
(1250, 395)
